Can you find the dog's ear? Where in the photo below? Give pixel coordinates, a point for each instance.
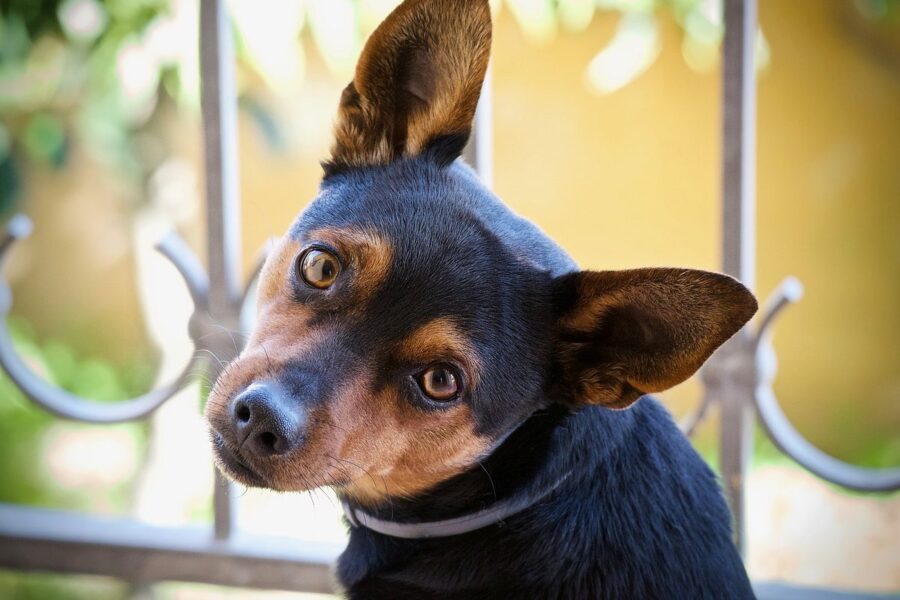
(622, 334)
(416, 85)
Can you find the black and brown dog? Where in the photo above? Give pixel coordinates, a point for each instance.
(449, 371)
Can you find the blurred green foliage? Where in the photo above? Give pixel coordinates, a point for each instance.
(61, 63)
(26, 429)
(23, 425)
(44, 586)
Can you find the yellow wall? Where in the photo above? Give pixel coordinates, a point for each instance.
(632, 179)
(622, 180)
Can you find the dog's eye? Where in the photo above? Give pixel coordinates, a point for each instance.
(319, 268)
(439, 383)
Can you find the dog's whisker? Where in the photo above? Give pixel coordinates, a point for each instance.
(211, 354)
(361, 468)
(490, 479)
(230, 333)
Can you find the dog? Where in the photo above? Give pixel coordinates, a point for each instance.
(473, 397)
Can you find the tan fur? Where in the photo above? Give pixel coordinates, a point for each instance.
(397, 449)
(375, 445)
(393, 449)
(282, 322)
(366, 254)
(372, 443)
(418, 78)
(276, 307)
(441, 340)
(282, 331)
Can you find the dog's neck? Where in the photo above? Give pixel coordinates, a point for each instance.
(505, 482)
(637, 492)
(551, 443)
(525, 468)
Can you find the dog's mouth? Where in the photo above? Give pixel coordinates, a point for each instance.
(230, 463)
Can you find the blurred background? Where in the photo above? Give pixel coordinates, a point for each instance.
(607, 133)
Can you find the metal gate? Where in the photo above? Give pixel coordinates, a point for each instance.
(738, 377)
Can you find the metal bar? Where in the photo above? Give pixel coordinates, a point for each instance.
(739, 142)
(48, 540)
(786, 437)
(479, 152)
(783, 591)
(67, 405)
(776, 424)
(63, 403)
(219, 105)
(224, 507)
(738, 236)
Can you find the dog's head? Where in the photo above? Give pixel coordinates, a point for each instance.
(408, 321)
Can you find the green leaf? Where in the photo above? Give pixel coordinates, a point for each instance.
(97, 380)
(15, 42)
(10, 185)
(45, 139)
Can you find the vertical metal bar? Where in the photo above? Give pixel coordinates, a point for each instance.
(219, 106)
(739, 142)
(479, 152)
(224, 507)
(738, 236)
(219, 100)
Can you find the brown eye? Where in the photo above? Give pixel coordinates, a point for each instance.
(319, 268)
(439, 383)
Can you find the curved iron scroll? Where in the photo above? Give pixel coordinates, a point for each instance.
(70, 406)
(779, 428)
(746, 369)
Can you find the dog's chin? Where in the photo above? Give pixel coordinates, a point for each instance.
(232, 466)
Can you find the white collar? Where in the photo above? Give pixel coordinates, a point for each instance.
(447, 527)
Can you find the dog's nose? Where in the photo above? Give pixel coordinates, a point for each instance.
(266, 422)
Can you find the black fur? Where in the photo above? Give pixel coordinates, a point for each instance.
(633, 512)
(639, 516)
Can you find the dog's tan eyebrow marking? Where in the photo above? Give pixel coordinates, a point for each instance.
(274, 276)
(440, 339)
(368, 253)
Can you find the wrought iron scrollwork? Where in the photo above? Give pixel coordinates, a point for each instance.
(747, 368)
(65, 404)
(201, 329)
(781, 431)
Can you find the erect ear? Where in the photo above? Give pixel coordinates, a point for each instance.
(622, 334)
(416, 85)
